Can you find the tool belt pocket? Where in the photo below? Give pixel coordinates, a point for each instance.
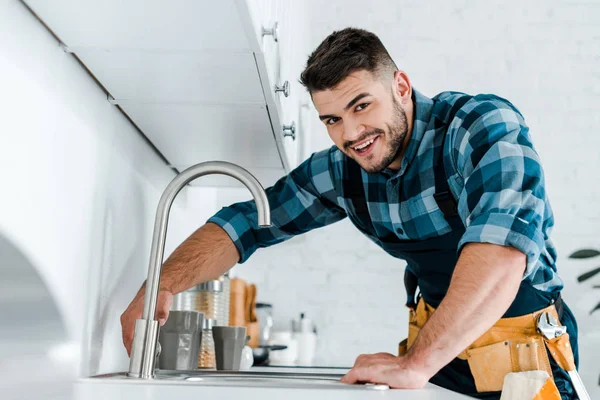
(413, 331)
(491, 363)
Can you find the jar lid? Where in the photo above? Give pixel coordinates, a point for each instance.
(214, 285)
(209, 323)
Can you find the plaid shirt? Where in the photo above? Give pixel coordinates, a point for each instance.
(495, 175)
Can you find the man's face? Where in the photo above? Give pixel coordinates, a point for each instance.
(365, 120)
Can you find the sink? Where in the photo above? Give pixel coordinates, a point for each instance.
(295, 380)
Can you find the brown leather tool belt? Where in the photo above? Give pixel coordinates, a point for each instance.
(511, 345)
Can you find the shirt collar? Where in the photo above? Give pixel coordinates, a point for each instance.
(422, 114)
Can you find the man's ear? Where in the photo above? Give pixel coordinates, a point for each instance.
(401, 87)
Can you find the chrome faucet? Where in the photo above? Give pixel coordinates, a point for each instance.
(145, 338)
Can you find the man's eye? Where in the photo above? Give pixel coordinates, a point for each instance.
(332, 121)
(362, 106)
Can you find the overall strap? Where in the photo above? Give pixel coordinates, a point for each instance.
(443, 197)
(354, 190)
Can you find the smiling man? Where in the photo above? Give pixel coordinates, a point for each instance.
(450, 184)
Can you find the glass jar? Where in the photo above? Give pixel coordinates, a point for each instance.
(209, 299)
(207, 358)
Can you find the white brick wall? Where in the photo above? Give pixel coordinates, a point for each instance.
(544, 56)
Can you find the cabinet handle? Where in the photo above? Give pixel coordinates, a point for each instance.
(292, 130)
(285, 88)
(274, 31)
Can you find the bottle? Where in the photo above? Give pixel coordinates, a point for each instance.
(247, 357)
(305, 334)
(264, 313)
(207, 357)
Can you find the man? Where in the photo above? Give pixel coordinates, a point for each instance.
(451, 184)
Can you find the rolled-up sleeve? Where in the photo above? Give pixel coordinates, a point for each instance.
(504, 199)
(296, 205)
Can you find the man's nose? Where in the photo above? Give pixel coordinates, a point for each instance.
(353, 131)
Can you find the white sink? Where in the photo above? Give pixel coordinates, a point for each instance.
(292, 380)
(258, 383)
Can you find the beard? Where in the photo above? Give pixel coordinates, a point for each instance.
(394, 136)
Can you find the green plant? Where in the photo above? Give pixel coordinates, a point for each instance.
(582, 255)
(586, 254)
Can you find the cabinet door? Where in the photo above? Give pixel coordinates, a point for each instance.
(173, 25)
(191, 133)
(167, 77)
(292, 55)
(279, 62)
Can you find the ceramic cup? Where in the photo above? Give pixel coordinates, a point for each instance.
(229, 342)
(179, 339)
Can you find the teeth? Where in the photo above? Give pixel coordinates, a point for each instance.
(365, 144)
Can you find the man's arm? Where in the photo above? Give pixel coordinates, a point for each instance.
(503, 205)
(206, 254)
(232, 235)
(484, 284)
(304, 200)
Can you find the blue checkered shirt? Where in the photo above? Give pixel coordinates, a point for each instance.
(495, 175)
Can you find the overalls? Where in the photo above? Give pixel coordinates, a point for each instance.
(431, 262)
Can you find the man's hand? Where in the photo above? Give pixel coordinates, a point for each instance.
(385, 368)
(134, 312)
(207, 254)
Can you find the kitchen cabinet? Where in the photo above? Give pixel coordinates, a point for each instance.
(283, 61)
(202, 80)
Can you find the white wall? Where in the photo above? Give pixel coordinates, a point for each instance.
(79, 192)
(542, 55)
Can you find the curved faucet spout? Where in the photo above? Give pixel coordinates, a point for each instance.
(144, 346)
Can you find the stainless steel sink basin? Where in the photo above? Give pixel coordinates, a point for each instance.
(300, 380)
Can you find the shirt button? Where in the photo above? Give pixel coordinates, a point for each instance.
(400, 231)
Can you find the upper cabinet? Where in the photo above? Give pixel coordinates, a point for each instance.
(173, 25)
(280, 28)
(203, 80)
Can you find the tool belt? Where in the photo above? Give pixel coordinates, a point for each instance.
(511, 345)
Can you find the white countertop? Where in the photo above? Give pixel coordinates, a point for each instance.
(123, 388)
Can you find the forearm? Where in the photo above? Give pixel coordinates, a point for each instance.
(206, 254)
(484, 284)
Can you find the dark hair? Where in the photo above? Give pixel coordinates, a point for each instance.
(342, 53)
